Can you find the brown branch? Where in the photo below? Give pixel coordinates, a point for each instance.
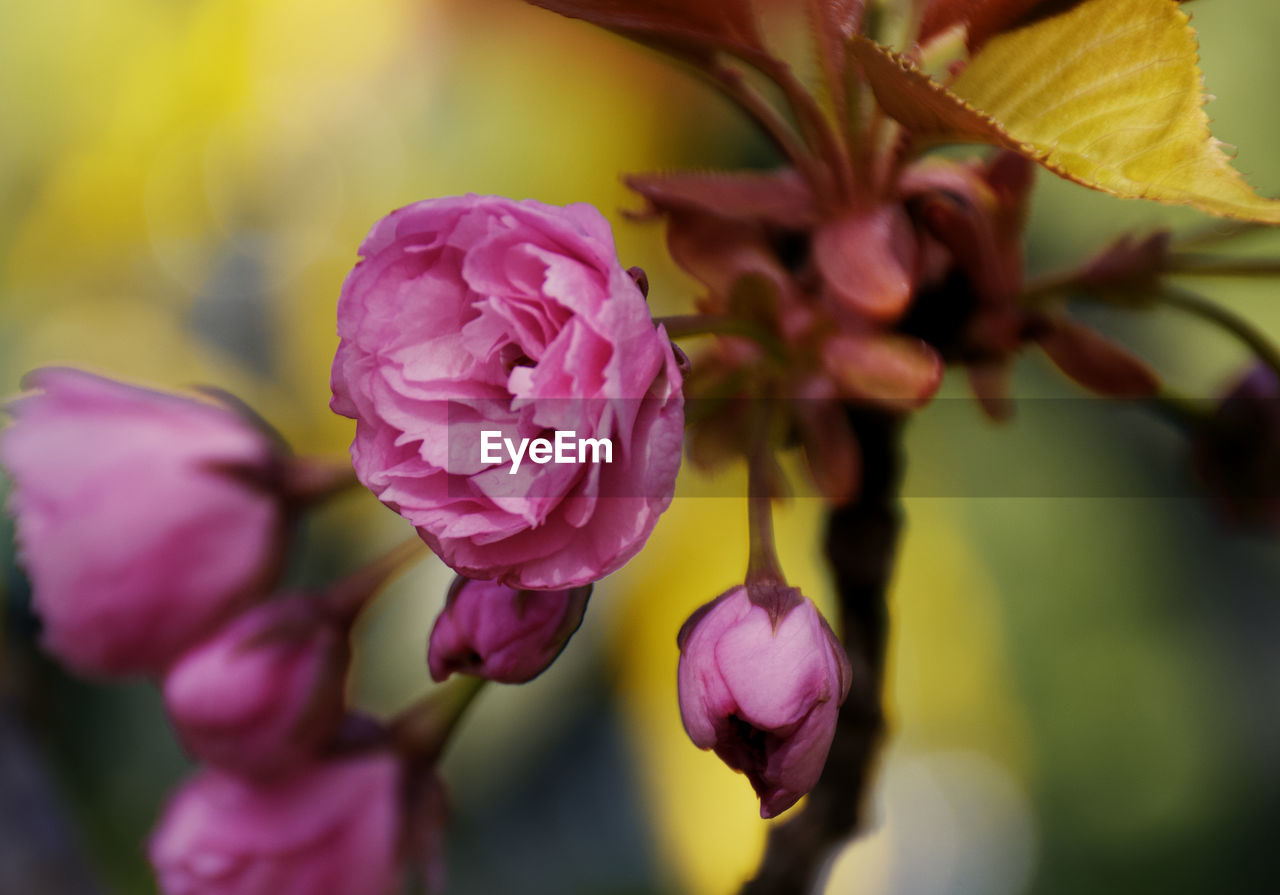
(861, 542)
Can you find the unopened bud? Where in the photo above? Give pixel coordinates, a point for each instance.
(500, 633)
(763, 692)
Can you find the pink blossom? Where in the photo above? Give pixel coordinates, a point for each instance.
(332, 829)
(262, 694)
(142, 519)
(763, 694)
(496, 632)
(476, 314)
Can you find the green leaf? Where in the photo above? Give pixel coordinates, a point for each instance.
(1108, 94)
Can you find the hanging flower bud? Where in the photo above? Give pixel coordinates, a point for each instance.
(762, 686)
(143, 518)
(1237, 454)
(264, 693)
(334, 828)
(500, 633)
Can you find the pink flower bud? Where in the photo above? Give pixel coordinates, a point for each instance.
(763, 693)
(1236, 453)
(143, 518)
(496, 632)
(263, 694)
(332, 829)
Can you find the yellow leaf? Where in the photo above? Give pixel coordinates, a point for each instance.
(1109, 95)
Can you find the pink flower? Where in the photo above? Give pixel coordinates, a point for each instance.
(763, 694)
(477, 314)
(142, 517)
(333, 829)
(263, 694)
(496, 632)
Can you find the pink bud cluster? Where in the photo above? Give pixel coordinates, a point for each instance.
(153, 528)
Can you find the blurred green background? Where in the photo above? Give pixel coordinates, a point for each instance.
(1084, 690)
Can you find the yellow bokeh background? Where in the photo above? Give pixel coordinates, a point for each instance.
(184, 186)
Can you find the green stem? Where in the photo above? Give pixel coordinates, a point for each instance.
(1185, 413)
(762, 474)
(348, 597)
(731, 82)
(1226, 319)
(684, 326)
(1213, 266)
(1049, 285)
(815, 126)
(423, 730)
(310, 481)
(1217, 233)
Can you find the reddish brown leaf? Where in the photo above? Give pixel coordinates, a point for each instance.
(901, 371)
(962, 210)
(719, 252)
(837, 21)
(989, 381)
(776, 197)
(868, 261)
(830, 448)
(700, 24)
(1012, 175)
(834, 22)
(985, 19)
(1098, 363)
(1129, 263)
(922, 106)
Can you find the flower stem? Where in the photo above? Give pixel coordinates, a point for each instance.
(1199, 265)
(348, 597)
(422, 731)
(731, 82)
(1218, 232)
(1050, 285)
(1185, 413)
(762, 561)
(1256, 340)
(861, 543)
(762, 478)
(309, 481)
(815, 126)
(683, 326)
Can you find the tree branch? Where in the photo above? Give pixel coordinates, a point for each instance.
(861, 543)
